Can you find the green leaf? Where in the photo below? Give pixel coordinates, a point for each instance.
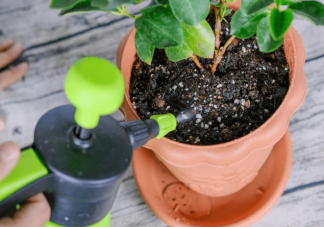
(112, 6)
(178, 53)
(244, 26)
(161, 2)
(312, 10)
(64, 4)
(251, 6)
(280, 22)
(227, 12)
(122, 2)
(231, 0)
(190, 12)
(145, 51)
(283, 2)
(264, 37)
(200, 39)
(99, 3)
(159, 27)
(83, 7)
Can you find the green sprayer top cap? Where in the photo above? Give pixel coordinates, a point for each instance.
(95, 87)
(167, 123)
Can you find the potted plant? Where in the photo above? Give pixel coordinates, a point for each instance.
(181, 30)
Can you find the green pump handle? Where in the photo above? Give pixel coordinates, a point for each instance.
(100, 94)
(28, 169)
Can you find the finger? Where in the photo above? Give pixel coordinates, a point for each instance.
(6, 44)
(10, 76)
(35, 212)
(9, 155)
(10, 55)
(2, 124)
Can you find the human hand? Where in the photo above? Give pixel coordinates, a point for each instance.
(35, 212)
(8, 53)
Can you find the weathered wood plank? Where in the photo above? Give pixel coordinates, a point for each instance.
(312, 36)
(305, 209)
(307, 128)
(42, 24)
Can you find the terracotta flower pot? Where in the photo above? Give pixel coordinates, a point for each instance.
(223, 169)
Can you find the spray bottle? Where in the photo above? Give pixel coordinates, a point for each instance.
(80, 153)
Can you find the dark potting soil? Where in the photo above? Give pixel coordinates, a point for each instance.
(243, 93)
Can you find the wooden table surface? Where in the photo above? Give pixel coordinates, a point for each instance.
(53, 43)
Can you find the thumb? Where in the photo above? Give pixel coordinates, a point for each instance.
(34, 213)
(9, 155)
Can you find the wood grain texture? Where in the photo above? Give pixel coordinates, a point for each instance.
(53, 43)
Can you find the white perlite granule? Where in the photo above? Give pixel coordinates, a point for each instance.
(242, 102)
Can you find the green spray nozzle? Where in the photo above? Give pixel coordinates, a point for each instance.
(167, 123)
(95, 87)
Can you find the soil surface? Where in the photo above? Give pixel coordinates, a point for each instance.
(243, 93)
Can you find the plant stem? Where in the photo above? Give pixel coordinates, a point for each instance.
(196, 61)
(223, 9)
(122, 11)
(218, 57)
(129, 15)
(218, 27)
(228, 42)
(219, 54)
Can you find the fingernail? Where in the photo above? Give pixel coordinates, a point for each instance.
(7, 155)
(2, 124)
(7, 42)
(17, 47)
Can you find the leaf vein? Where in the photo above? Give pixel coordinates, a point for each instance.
(158, 28)
(193, 13)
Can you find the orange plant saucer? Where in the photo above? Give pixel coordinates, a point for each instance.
(177, 205)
